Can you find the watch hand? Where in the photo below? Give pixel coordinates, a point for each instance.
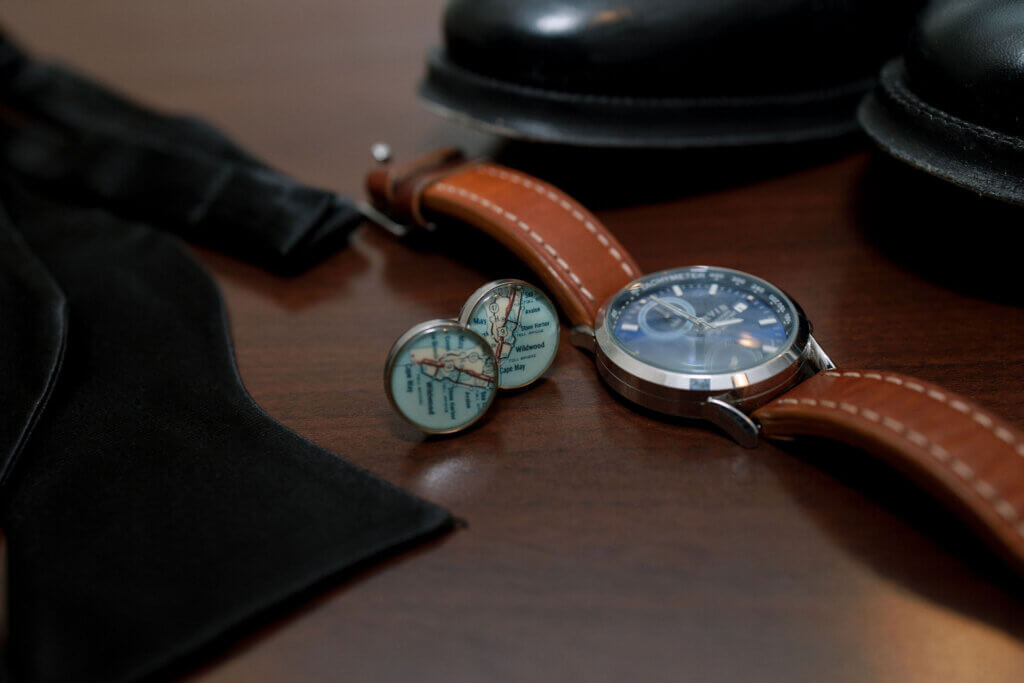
(723, 323)
(680, 312)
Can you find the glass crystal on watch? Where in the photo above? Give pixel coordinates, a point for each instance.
(441, 376)
(521, 325)
(702, 320)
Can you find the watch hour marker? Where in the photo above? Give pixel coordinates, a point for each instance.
(628, 327)
(767, 348)
(763, 322)
(739, 307)
(677, 290)
(713, 289)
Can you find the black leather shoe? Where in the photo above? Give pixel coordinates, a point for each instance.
(953, 106)
(663, 73)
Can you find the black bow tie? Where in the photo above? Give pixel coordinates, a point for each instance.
(176, 173)
(151, 508)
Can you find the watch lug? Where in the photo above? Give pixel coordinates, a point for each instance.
(582, 337)
(818, 356)
(733, 421)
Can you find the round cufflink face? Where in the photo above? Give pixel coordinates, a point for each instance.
(520, 324)
(441, 376)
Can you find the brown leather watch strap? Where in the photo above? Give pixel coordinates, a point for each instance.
(962, 453)
(578, 260)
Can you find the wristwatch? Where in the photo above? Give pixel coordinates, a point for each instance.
(720, 345)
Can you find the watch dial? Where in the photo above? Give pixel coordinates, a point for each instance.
(521, 325)
(442, 379)
(702, 320)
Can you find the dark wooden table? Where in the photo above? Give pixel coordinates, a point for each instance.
(602, 545)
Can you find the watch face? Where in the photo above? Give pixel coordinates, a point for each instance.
(521, 325)
(441, 376)
(702, 320)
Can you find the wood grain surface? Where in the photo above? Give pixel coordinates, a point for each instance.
(600, 544)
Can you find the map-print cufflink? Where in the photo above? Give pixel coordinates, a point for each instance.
(441, 376)
(521, 325)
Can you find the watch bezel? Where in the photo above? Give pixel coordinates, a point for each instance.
(684, 394)
(428, 327)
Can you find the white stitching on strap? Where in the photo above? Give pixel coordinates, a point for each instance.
(544, 192)
(894, 425)
(986, 490)
(978, 416)
(960, 406)
(962, 469)
(1002, 506)
(1008, 512)
(918, 438)
(473, 197)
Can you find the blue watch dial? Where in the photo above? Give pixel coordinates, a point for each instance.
(702, 320)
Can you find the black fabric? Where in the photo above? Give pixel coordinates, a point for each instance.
(155, 507)
(151, 509)
(32, 331)
(176, 172)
